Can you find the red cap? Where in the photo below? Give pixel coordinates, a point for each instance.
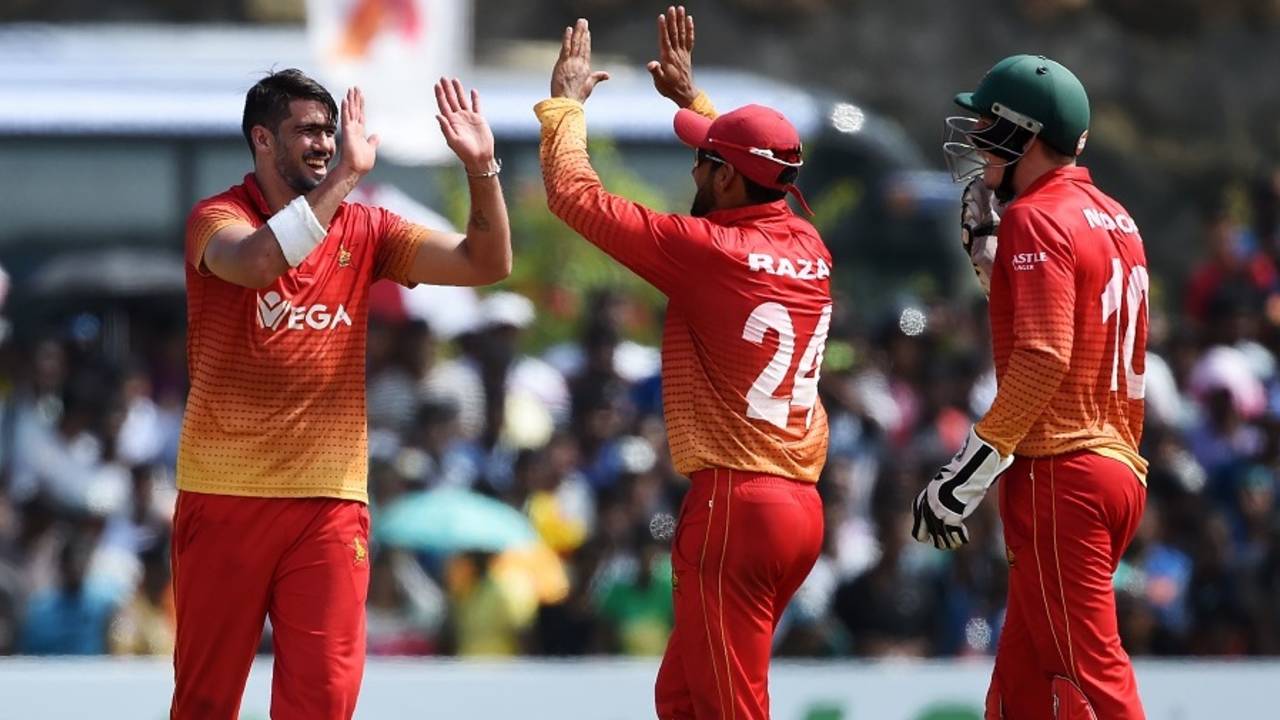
(757, 141)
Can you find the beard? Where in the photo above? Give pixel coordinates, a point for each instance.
(704, 201)
(296, 174)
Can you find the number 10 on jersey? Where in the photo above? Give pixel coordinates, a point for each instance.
(1134, 292)
(761, 403)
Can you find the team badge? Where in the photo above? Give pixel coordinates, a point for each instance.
(344, 256)
(361, 553)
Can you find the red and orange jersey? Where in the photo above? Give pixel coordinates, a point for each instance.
(277, 400)
(747, 318)
(1069, 324)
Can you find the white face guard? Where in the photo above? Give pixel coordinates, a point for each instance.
(967, 141)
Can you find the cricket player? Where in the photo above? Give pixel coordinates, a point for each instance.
(1067, 279)
(271, 519)
(749, 306)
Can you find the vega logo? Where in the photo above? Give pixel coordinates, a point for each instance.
(276, 312)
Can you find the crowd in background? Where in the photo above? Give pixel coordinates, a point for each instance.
(570, 439)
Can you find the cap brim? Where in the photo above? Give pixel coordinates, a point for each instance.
(692, 128)
(965, 100)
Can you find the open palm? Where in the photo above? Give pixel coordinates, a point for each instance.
(359, 151)
(465, 129)
(673, 70)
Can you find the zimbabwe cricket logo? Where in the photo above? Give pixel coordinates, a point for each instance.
(344, 256)
(361, 554)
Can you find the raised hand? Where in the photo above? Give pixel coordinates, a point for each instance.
(673, 70)
(572, 76)
(358, 150)
(465, 130)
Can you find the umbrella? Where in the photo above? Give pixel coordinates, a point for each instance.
(452, 520)
(115, 272)
(1227, 368)
(537, 569)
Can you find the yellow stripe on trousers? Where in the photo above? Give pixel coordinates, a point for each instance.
(702, 594)
(1035, 545)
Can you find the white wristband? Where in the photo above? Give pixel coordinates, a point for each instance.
(297, 230)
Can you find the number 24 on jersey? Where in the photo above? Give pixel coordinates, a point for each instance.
(761, 402)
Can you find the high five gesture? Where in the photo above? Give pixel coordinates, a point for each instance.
(465, 130)
(572, 76)
(673, 70)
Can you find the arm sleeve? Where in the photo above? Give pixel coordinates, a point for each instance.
(663, 249)
(1042, 295)
(205, 220)
(702, 105)
(398, 241)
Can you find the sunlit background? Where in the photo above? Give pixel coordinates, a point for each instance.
(529, 414)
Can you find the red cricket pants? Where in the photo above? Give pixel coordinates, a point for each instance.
(744, 544)
(1067, 521)
(237, 560)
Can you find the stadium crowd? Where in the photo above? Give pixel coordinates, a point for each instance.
(571, 439)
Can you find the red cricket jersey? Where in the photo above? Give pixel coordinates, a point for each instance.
(1068, 324)
(749, 308)
(277, 401)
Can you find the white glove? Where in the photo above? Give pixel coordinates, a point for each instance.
(954, 493)
(979, 223)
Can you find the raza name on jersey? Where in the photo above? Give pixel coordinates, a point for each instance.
(798, 268)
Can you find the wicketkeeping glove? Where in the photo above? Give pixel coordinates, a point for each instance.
(953, 494)
(979, 223)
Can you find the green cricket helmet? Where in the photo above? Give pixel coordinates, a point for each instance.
(1020, 98)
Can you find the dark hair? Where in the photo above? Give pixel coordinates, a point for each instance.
(757, 194)
(267, 102)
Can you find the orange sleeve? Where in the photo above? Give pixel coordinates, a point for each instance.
(664, 249)
(1040, 266)
(205, 220)
(398, 245)
(702, 105)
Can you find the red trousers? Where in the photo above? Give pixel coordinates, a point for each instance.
(1067, 521)
(743, 545)
(302, 562)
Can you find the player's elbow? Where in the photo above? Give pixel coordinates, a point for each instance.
(490, 262)
(258, 273)
(495, 271)
(244, 264)
(502, 270)
(247, 274)
(564, 202)
(256, 281)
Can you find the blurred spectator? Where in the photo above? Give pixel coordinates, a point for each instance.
(637, 605)
(73, 616)
(1232, 274)
(492, 375)
(143, 435)
(61, 450)
(575, 442)
(892, 610)
(147, 622)
(400, 360)
(434, 452)
(557, 498)
(406, 607)
(602, 352)
(487, 618)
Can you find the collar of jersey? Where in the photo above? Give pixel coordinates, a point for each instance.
(750, 213)
(255, 194)
(1066, 172)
